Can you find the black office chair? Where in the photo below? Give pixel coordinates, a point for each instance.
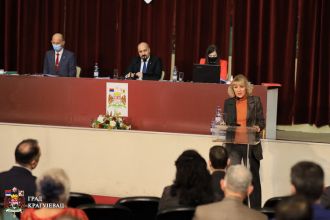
(180, 213)
(104, 212)
(142, 207)
(76, 199)
(273, 202)
(269, 212)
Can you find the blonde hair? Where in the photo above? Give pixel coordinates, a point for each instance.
(242, 80)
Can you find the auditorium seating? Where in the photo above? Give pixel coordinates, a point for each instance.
(76, 199)
(142, 207)
(180, 213)
(103, 212)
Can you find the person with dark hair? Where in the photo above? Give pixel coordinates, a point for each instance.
(59, 61)
(307, 179)
(192, 184)
(212, 57)
(218, 162)
(245, 110)
(236, 185)
(27, 155)
(294, 208)
(53, 187)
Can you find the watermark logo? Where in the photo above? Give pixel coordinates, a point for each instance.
(14, 200)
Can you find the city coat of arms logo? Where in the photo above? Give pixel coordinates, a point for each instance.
(14, 200)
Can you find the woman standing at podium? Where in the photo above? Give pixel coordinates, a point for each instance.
(243, 109)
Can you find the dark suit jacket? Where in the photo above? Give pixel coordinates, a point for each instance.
(67, 64)
(216, 177)
(227, 209)
(255, 116)
(154, 68)
(325, 198)
(18, 177)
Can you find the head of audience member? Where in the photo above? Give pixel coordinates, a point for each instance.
(58, 42)
(294, 208)
(218, 158)
(212, 55)
(307, 179)
(27, 153)
(192, 182)
(237, 182)
(240, 87)
(143, 50)
(54, 186)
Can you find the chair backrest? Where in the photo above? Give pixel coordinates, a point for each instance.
(162, 76)
(142, 207)
(104, 212)
(76, 199)
(269, 212)
(78, 68)
(223, 68)
(273, 202)
(182, 213)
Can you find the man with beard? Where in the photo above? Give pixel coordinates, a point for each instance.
(145, 66)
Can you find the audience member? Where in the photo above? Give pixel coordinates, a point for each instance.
(192, 184)
(53, 187)
(307, 179)
(325, 198)
(294, 208)
(236, 185)
(27, 154)
(145, 66)
(59, 61)
(245, 110)
(218, 162)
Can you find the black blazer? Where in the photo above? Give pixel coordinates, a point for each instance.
(216, 177)
(255, 116)
(67, 64)
(154, 68)
(18, 177)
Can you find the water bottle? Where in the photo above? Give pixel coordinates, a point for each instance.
(96, 70)
(175, 74)
(219, 122)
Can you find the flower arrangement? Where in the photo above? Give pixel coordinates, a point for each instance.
(110, 122)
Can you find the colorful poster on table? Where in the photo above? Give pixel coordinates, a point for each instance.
(117, 99)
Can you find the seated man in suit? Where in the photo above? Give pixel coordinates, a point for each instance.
(236, 185)
(27, 154)
(145, 66)
(218, 162)
(59, 61)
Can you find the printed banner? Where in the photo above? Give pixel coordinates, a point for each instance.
(117, 99)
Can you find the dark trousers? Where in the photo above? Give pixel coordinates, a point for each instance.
(237, 152)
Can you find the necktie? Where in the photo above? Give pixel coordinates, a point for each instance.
(57, 63)
(144, 68)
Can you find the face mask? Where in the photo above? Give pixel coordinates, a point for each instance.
(57, 47)
(212, 60)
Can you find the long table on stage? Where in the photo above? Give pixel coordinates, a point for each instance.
(153, 105)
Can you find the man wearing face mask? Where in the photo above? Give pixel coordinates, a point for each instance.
(59, 61)
(145, 66)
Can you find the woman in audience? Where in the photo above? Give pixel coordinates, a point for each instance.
(53, 188)
(245, 110)
(192, 184)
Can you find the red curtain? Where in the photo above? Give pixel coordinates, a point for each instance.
(198, 24)
(264, 45)
(312, 96)
(107, 32)
(26, 25)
